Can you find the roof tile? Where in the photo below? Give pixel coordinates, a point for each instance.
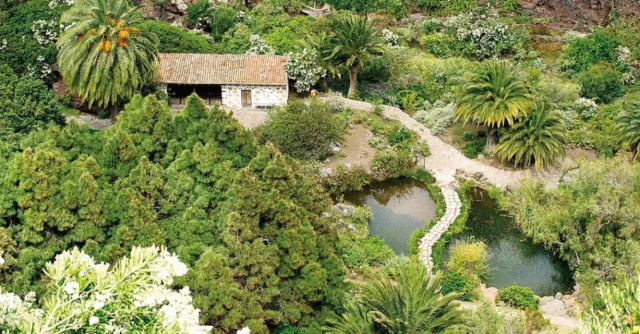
(222, 69)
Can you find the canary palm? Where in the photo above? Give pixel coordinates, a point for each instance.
(410, 304)
(103, 57)
(494, 96)
(355, 41)
(628, 127)
(538, 138)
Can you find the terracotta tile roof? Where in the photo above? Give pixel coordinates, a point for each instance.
(222, 69)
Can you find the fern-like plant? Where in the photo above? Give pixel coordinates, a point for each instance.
(628, 127)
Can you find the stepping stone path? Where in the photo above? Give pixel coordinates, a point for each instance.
(452, 212)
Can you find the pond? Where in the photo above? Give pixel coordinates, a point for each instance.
(514, 257)
(400, 206)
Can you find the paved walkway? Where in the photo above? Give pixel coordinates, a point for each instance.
(445, 159)
(452, 211)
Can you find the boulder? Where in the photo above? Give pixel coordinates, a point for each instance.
(335, 147)
(325, 172)
(343, 209)
(558, 296)
(546, 299)
(478, 175)
(554, 307)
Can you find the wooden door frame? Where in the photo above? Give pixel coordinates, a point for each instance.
(242, 99)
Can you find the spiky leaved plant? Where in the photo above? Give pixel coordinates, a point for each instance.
(103, 57)
(628, 126)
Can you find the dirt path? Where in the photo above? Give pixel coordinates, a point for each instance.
(445, 159)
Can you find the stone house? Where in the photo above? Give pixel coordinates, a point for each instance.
(236, 81)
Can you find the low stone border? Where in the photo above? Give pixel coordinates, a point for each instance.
(452, 211)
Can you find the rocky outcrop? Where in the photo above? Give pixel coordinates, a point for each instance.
(581, 12)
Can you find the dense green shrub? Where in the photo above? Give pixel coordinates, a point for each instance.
(367, 252)
(392, 163)
(26, 104)
(303, 131)
(585, 52)
(519, 297)
(469, 258)
(401, 136)
(473, 148)
(437, 116)
(486, 319)
(601, 82)
(345, 180)
(195, 182)
(174, 39)
(454, 282)
(601, 245)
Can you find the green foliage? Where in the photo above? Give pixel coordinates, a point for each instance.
(601, 82)
(437, 116)
(601, 245)
(494, 96)
(25, 105)
(237, 40)
(582, 53)
(628, 127)
(346, 180)
(172, 39)
(518, 297)
(303, 131)
(401, 136)
(510, 5)
(222, 19)
(453, 282)
(410, 303)
(469, 258)
(367, 252)
(537, 139)
(22, 50)
(134, 295)
(199, 13)
(354, 42)
(247, 221)
(472, 149)
(103, 57)
(392, 163)
(486, 319)
(619, 312)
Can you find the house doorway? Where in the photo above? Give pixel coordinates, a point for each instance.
(246, 98)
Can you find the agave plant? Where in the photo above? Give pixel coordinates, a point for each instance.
(409, 303)
(103, 57)
(494, 96)
(628, 127)
(538, 138)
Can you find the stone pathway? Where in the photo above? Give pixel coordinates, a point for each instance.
(445, 159)
(452, 211)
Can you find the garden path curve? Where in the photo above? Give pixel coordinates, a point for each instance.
(445, 159)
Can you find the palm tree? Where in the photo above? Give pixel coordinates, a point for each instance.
(410, 304)
(494, 96)
(354, 41)
(537, 138)
(354, 320)
(628, 126)
(103, 58)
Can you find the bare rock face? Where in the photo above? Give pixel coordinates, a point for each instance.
(582, 12)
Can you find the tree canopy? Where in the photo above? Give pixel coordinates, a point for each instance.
(245, 219)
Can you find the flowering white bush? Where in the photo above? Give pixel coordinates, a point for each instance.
(585, 108)
(133, 296)
(55, 3)
(3, 45)
(259, 46)
(481, 36)
(628, 78)
(41, 69)
(304, 69)
(436, 117)
(390, 37)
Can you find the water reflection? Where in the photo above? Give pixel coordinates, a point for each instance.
(514, 258)
(399, 206)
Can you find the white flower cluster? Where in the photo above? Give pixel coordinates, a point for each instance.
(482, 36)
(55, 3)
(92, 297)
(390, 37)
(623, 53)
(304, 69)
(585, 108)
(3, 45)
(259, 46)
(436, 117)
(45, 32)
(41, 69)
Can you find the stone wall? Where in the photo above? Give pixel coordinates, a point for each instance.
(261, 96)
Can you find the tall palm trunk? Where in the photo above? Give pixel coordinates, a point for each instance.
(353, 80)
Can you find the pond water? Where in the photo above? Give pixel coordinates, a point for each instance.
(514, 258)
(399, 206)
